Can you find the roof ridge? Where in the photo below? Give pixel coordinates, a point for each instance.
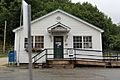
(68, 14)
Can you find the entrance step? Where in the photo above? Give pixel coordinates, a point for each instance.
(60, 64)
(37, 65)
(90, 63)
(73, 63)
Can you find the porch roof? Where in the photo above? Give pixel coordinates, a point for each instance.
(59, 27)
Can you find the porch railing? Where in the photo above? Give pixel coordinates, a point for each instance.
(39, 56)
(77, 54)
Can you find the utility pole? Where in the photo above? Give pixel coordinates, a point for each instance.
(29, 43)
(4, 37)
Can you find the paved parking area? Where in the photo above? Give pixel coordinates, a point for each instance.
(14, 73)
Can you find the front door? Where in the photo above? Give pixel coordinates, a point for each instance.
(58, 47)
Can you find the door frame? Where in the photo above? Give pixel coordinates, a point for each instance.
(62, 37)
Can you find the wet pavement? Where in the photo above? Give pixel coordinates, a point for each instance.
(14, 73)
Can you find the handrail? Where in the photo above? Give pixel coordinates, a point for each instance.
(89, 59)
(89, 55)
(83, 49)
(38, 53)
(105, 57)
(40, 56)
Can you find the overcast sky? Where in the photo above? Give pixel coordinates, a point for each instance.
(109, 7)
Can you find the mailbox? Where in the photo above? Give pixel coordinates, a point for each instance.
(12, 56)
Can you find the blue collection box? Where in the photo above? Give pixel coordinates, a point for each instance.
(12, 56)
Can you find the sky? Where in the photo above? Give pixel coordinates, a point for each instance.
(110, 8)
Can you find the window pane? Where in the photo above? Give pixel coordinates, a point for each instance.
(32, 38)
(77, 41)
(26, 45)
(39, 41)
(38, 45)
(87, 40)
(26, 42)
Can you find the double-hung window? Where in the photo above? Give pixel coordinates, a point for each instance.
(37, 42)
(82, 42)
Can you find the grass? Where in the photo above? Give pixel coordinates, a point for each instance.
(3, 55)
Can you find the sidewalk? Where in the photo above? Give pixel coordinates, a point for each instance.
(3, 61)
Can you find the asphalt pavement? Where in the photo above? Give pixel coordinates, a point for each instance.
(15, 73)
(81, 73)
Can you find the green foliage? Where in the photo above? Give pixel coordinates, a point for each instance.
(10, 11)
(3, 55)
(115, 42)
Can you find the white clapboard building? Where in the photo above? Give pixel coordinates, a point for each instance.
(59, 35)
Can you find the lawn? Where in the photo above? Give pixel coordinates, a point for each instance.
(3, 55)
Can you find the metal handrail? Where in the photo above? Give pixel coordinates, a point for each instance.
(40, 56)
(105, 57)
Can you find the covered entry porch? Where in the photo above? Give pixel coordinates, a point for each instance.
(58, 35)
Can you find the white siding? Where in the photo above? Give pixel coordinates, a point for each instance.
(40, 28)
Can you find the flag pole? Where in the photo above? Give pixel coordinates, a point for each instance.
(29, 43)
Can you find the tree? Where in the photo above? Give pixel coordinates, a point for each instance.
(10, 10)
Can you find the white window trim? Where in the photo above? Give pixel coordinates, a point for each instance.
(83, 41)
(34, 41)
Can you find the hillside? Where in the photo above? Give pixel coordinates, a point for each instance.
(10, 11)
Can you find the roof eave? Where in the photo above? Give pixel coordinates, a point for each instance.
(74, 17)
(14, 30)
(59, 10)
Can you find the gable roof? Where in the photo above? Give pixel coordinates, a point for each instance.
(61, 11)
(60, 25)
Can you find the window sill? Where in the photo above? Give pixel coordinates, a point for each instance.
(34, 50)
